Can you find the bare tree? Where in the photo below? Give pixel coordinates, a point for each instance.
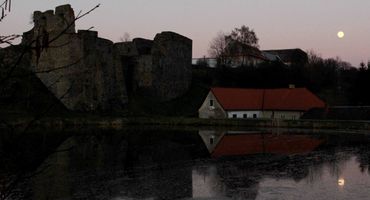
(229, 48)
(243, 43)
(125, 37)
(244, 36)
(5, 7)
(218, 48)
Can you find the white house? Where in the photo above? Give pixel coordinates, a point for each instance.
(283, 103)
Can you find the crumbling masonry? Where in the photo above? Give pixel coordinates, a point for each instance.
(88, 73)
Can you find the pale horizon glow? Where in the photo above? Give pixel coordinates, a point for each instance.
(282, 24)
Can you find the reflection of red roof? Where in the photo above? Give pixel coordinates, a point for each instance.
(297, 99)
(245, 144)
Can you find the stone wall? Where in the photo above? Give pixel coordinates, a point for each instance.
(172, 55)
(88, 73)
(11, 56)
(78, 68)
(160, 68)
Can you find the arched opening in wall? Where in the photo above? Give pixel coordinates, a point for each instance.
(128, 63)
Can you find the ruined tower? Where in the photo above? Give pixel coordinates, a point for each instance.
(78, 68)
(159, 68)
(88, 73)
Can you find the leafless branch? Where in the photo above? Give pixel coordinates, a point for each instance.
(28, 47)
(5, 7)
(8, 39)
(79, 16)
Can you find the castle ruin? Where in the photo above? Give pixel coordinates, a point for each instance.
(88, 73)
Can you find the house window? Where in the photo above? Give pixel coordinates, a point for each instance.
(254, 116)
(211, 140)
(210, 102)
(245, 116)
(235, 116)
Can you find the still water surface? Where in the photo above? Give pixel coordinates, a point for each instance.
(178, 164)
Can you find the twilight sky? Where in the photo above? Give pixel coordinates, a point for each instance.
(305, 24)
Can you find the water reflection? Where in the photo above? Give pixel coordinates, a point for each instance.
(235, 143)
(139, 166)
(169, 164)
(20, 156)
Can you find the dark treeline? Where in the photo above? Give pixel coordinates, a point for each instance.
(335, 81)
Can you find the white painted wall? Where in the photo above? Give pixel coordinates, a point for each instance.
(240, 114)
(208, 111)
(289, 115)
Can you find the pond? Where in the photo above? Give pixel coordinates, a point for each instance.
(166, 163)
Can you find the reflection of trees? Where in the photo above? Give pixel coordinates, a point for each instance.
(241, 175)
(363, 157)
(333, 159)
(336, 163)
(241, 182)
(356, 143)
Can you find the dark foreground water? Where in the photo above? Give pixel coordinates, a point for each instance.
(162, 163)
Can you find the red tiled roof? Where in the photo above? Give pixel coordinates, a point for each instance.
(245, 144)
(297, 99)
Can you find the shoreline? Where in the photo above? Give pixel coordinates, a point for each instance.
(124, 122)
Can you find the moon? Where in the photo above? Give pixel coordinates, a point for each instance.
(340, 34)
(341, 182)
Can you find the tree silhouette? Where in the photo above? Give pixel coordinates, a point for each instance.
(244, 36)
(218, 49)
(234, 48)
